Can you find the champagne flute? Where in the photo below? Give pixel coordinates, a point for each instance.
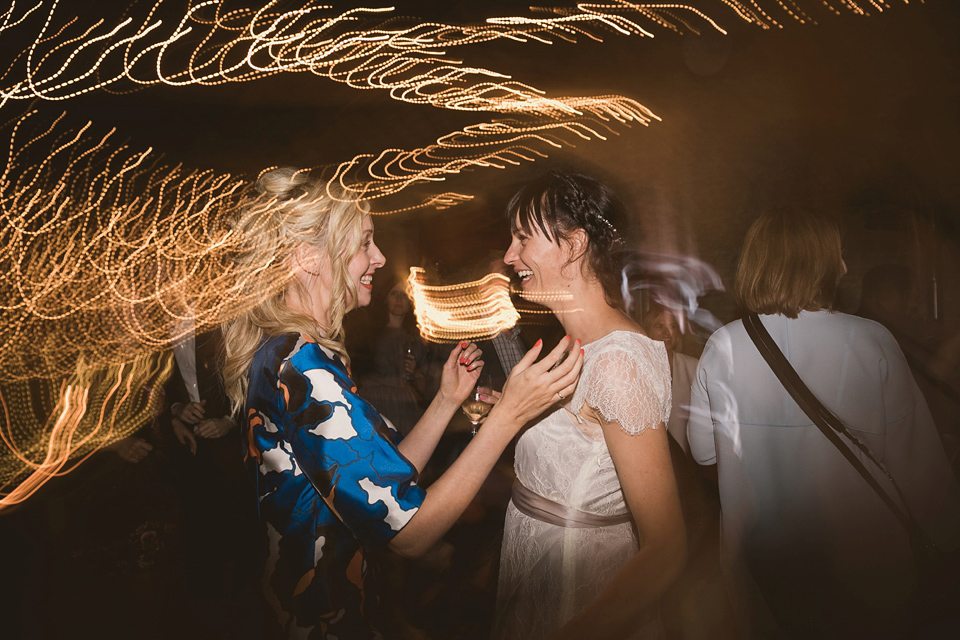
(475, 408)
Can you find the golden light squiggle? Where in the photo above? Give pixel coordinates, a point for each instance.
(100, 246)
(358, 47)
(495, 144)
(94, 407)
(104, 251)
(439, 202)
(475, 310)
(211, 44)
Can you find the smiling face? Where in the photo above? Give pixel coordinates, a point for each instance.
(666, 329)
(539, 263)
(367, 260)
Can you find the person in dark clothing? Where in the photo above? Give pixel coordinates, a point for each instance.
(218, 510)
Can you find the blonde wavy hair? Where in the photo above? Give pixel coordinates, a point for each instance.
(290, 210)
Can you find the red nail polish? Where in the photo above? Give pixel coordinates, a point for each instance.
(566, 337)
(539, 342)
(581, 351)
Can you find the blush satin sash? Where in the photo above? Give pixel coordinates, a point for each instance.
(540, 508)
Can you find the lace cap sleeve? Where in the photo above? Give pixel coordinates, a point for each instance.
(627, 379)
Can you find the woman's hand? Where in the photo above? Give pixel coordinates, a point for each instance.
(409, 365)
(214, 428)
(184, 435)
(534, 386)
(191, 412)
(131, 449)
(490, 396)
(460, 372)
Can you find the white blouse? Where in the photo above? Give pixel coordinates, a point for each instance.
(789, 498)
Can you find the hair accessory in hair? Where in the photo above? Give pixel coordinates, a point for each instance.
(613, 230)
(608, 224)
(576, 200)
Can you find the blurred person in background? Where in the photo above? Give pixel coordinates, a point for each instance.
(218, 515)
(809, 549)
(696, 605)
(388, 358)
(664, 324)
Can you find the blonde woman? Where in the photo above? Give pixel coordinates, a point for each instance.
(594, 532)
(334, 478)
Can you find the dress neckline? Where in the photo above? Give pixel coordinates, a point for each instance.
(615, 331)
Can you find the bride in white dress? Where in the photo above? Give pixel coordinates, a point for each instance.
(594, 532)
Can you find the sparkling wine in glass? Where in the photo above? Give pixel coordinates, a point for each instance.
(473, 407)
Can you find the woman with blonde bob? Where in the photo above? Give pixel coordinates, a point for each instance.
(809, 549)
(334, 477)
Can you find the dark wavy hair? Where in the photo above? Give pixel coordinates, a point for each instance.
(560, 202)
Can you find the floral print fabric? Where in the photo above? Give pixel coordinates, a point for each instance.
(331, 482)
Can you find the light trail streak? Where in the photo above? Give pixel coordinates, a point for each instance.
(104, 251)
(475, 310)
(497, 144)
(93, 236)
(358, 48)
(101, 251)
(439, 202)
(93, 408)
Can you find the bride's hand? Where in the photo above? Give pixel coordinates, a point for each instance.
(534, 386)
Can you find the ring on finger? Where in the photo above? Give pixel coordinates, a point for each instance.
(560, 395)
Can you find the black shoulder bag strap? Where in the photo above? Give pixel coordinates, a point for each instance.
(831, 427)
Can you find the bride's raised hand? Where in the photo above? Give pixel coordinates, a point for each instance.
(534, 386)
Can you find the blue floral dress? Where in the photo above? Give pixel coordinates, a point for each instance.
(331, 483)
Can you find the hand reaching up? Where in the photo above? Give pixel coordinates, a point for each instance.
(460, 372)
(534, 386)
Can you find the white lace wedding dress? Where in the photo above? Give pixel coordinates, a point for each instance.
(548, 573)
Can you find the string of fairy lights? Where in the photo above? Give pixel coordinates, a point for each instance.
(105, 250)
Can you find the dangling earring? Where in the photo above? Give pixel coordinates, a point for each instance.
(296, 255)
